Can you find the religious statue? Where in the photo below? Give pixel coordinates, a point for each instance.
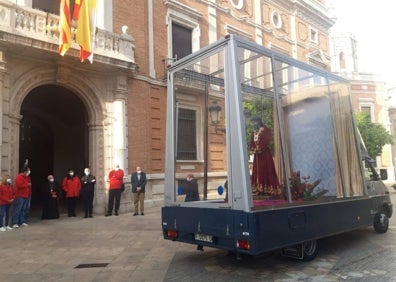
(264, 178)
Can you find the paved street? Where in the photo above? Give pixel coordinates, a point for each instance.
(131, 248)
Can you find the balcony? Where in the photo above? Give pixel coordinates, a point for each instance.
(22, 27)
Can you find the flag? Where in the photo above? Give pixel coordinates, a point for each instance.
(64, 27)
(76, 9)
(86, 27)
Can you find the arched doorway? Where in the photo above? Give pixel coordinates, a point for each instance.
(53, 136)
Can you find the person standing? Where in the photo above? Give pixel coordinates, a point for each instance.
(23, 191)
(51, 194)
(6, 199)
(71, 185)
(88, 182)
(116, 177)
(138, 180)
(191, 189)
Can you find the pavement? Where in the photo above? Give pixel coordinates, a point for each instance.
(114, 248)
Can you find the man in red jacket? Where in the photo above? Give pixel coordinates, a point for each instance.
(116, 177)
(23, 190)
(71, 186)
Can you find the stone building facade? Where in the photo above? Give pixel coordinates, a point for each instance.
(391, 97)
(368, 92)
(59, 113)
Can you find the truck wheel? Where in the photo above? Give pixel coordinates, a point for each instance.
(381, 222)
(310, 250)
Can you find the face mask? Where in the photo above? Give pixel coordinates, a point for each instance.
(86, 173)
(139, 171)
(27, 173)
(117, 168)
(71, 173)
(51, 180)
(9, 181)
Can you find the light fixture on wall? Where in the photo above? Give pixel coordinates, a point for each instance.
(214, 112)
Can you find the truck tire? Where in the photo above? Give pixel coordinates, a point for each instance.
(381, 222)
(310, 250)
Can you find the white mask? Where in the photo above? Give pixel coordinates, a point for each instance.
(51, 180)
(9, 181)
(139, 171)
(27, 173)
(71, 173)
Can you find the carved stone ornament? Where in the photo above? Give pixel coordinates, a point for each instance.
(238, 4)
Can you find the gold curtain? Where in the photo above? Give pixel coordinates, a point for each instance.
(345, 144)
(277, 148)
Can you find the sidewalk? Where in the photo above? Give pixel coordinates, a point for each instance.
(115, 248)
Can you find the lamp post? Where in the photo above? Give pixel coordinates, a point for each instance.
(214, 112)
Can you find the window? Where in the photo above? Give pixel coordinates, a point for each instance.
(238, 5)
(183, 29)
(186, 141)
(366, 109)
(104, 15)
(313, 35)
(181, 41)
(276, 20)
(342, 60)
(49, 6)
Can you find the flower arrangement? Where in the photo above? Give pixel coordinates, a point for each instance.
(302, 189)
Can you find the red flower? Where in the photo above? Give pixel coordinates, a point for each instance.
(301, 188)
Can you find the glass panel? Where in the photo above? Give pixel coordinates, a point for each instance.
(349, 173)
(262, 134)
(199, 87)
(308, 132)
(277, 130)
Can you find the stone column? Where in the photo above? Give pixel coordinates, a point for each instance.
(392, 119)
(119, 133)
(3, 96)
(96, 164)
(12, 156)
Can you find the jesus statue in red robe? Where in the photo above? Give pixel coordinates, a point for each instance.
(264, 178)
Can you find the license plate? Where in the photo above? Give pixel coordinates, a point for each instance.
(203, 238)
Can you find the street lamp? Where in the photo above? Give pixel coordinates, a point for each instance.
(214, 112)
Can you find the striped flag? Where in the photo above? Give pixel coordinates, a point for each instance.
(86, 27)
(64, 27)
(76, 9)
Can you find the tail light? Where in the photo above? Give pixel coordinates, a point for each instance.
(244, 245)
(172, 234)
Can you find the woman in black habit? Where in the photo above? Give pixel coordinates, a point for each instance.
(51, 194)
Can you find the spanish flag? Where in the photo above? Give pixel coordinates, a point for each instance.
(64, 27)
(86, 28)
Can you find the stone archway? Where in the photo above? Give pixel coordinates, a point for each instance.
(91, 97)
(53, 136)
